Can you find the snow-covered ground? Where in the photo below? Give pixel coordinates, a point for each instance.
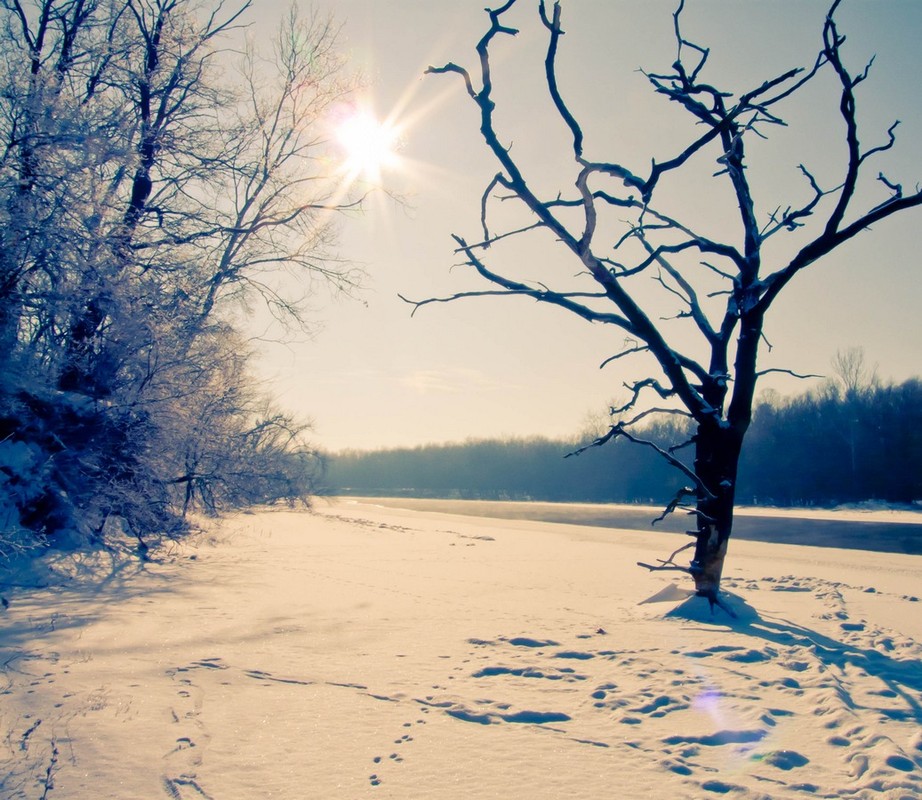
(372, 652)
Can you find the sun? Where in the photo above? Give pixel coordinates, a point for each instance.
(369, 145)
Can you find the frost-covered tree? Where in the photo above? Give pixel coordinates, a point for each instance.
(614, 220)
(157, 178)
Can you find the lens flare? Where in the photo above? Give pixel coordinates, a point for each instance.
(369, 145)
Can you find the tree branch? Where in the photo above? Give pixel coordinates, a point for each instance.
(807, 376)
(669, 563)
(619, 429)
(550, 71)
(630, 351)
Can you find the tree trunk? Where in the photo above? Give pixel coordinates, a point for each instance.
(717, 452)
(86, 368)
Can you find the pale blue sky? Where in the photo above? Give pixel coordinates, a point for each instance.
(373, 376)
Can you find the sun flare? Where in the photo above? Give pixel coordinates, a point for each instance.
(369, 145)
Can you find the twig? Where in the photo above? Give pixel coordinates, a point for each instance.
(49, 772)
(808, 375)
(664, 567)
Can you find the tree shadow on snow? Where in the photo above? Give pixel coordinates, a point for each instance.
(899, 675)
(62, 590)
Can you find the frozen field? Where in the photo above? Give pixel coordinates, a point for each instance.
(371, 652)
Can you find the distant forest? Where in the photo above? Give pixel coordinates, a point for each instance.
(826, 447)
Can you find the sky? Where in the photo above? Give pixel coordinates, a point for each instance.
(373, 376)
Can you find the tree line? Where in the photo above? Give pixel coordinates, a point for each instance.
(833, 445)
(160, 177)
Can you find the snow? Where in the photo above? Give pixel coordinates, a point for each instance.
(372, 652)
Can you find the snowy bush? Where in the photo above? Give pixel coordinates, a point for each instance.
(151, 193)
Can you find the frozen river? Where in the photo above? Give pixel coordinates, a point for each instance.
(886, 531)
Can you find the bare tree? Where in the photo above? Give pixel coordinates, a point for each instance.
(853, 385)
(725, 290)
(853, 373)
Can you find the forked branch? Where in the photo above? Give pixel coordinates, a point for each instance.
(620, 429)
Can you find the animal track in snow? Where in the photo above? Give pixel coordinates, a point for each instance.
(193, 738)
(783, 676)
(395, 756)
(529, 672)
